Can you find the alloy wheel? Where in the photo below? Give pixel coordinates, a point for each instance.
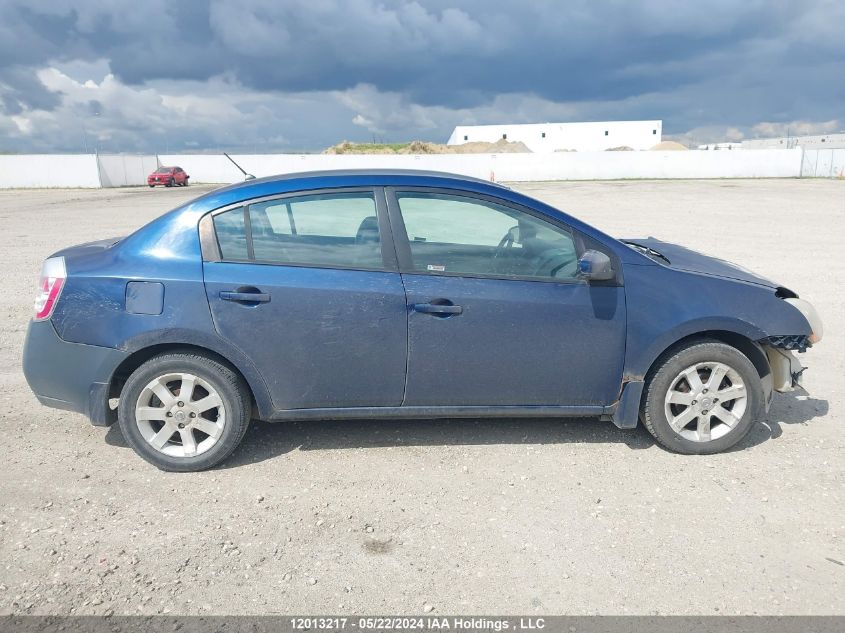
(705, 401)
(180, 415)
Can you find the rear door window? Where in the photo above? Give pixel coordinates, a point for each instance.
(337, 230)
(231, 235)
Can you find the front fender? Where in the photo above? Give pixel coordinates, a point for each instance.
(665, 306)
(640, 364)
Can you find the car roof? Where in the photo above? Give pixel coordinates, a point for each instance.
(359, 176)
(341, 178)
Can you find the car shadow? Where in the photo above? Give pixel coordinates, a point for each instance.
(267, 440)
(787, 408)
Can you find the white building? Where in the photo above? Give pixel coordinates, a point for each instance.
(817, 141)
(723, 145)
(552, 137)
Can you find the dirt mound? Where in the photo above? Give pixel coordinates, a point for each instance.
(347, 147)
(424, 147)
(670, 146)
(481, 147)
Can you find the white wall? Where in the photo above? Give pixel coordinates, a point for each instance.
(512, 167)
(83, 171)
(207, 168)
(48, 170)
(677, 164)
(823, 163)
(121, 170)
(588, 136)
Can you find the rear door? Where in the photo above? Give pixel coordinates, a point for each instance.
(307, 286)
(497, 315)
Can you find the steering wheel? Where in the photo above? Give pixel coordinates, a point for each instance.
(555, 261)
(507, 242)
(505, 246)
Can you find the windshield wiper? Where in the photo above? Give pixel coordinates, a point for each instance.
(650, 252)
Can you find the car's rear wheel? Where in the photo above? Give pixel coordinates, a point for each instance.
(184, 412)
(151, 186)
(702, 398)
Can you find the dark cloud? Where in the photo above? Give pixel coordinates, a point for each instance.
(20, 90)
(717, 62)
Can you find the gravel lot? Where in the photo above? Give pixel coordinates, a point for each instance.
(446, 517)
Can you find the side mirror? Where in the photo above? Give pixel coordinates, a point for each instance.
(595, 266)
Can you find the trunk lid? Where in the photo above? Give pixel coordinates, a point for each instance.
(87, 248)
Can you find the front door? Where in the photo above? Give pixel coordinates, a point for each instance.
(497, 315)
(303, 288)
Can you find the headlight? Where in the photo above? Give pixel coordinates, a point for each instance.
(813, 318)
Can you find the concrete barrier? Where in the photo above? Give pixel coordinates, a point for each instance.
(48, 170)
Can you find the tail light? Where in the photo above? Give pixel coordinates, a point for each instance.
(53, 275)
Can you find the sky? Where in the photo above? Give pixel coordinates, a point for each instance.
(292, 75)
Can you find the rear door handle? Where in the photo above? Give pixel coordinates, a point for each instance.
(245, 297)
(437, 309)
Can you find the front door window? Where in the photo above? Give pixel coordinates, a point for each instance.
(468, 236)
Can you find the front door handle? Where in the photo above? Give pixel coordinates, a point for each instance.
(245, 297)
(437, 309)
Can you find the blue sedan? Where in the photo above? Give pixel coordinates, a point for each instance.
(401, 294)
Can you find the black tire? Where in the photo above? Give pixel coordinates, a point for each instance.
(151, 186)
(668, 368)
(169, 183)
(229, 385)
(185, 182)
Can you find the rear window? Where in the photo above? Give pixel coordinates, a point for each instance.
(334, 230)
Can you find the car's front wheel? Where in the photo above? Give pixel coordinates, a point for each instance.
(184, 412)
(702, 398)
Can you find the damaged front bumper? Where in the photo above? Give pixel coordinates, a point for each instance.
(780, 350)
(787, 370)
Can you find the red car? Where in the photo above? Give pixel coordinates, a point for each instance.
(168, 176)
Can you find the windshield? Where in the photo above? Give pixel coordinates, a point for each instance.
(164, 170)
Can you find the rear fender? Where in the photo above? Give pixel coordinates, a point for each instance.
(180, 337)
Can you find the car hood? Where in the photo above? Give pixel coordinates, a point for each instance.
(681, 258)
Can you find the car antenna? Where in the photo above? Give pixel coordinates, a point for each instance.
(246, 175)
